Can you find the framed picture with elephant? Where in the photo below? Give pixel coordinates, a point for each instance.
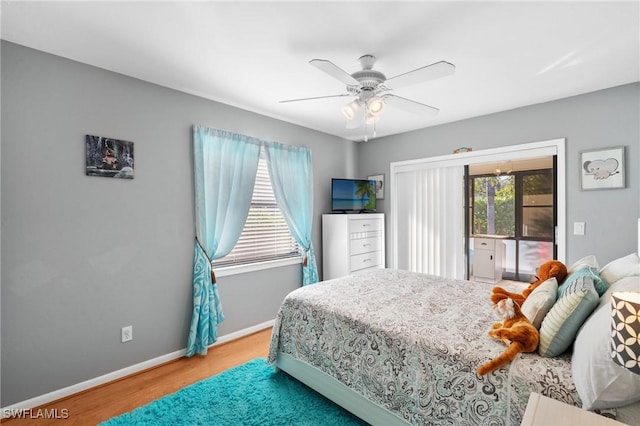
(602, 168)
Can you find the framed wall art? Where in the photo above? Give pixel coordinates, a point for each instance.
(602, 168)
(109, 157)
(379, 185)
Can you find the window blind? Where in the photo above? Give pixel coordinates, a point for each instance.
(265, 235)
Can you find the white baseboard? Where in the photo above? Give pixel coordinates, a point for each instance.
(244, 332)
(127, 371)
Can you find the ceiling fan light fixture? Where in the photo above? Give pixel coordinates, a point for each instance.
(368, 88)
(375, 105)
(350, 109)
(372, 119)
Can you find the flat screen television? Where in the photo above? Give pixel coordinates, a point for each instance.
(353, 195)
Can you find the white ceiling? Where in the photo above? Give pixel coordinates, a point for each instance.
(254, 54)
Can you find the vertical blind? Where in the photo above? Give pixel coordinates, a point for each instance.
(430, 221)
(265, 235)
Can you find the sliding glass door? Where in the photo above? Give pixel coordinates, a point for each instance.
(519, 208)
(535, 234)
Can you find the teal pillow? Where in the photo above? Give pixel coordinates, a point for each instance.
(600, 285)
(573, 307)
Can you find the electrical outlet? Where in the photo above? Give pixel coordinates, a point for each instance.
(127, 333)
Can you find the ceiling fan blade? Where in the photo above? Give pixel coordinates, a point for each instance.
(429, 72)
(334, 71)
(410, 106)
(316, 97)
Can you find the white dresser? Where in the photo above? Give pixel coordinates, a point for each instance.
(351, 243)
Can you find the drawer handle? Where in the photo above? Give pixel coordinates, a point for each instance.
(366, 260)
(366, 245)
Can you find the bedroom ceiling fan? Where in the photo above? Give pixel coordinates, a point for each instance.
(370, 89)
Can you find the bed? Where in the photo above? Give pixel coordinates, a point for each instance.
(396, 347)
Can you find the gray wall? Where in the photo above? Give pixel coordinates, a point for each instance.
(84, 256)
(600, 119)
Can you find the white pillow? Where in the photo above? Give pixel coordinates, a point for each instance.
(540, 301)
(623, 284)
(628, 266)
(600, 382)
(588, 261)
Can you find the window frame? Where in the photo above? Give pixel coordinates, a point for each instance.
(520, 206)
(223, 271)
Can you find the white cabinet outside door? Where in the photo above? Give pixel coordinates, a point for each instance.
(488, 254)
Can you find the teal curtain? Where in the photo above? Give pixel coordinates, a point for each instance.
(290, 171)
(225, 166)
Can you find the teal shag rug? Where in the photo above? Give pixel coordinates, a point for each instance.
(250, 394)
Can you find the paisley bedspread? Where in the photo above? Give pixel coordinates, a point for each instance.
(412, 343)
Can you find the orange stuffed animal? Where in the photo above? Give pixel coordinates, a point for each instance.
(515, 331)
(552, 268)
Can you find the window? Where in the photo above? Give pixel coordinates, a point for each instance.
(516, 205)
(492, 198)
(265, 235)
(537, 205)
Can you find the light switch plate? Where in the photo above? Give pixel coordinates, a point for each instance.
(578, 228)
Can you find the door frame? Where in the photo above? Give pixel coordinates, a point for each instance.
(513, 152)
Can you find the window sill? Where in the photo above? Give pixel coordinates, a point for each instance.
(224, 271)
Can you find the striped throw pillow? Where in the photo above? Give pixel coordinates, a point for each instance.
(561, 324)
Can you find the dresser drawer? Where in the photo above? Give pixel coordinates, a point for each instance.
(365, 260)
(364, 245)
(364, 225)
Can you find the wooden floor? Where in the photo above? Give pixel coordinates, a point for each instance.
(95, 405)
